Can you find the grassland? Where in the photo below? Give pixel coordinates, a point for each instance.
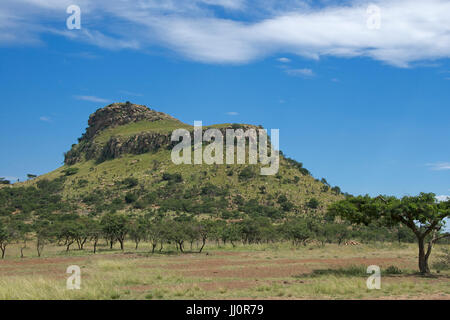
(269, 271)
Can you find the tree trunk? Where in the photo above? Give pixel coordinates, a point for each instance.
(423, 257)
(39, 248)
(3, 251)
(203, 245)
(82, 244)
(95, 246)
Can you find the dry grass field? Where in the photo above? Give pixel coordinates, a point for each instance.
(272, 271)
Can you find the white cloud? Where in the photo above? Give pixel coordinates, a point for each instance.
(300, 72)
(232, 113)
(442, 198)
(439, 166)
(411, 30)
(92, 99)
(45, 119)
(284, 60)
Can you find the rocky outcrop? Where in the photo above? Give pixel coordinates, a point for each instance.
(138, 144)
(117, 114)
(120, 114)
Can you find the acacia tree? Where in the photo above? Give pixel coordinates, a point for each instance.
(5, 238)
(66, 232)
(423, 214)
(154, 233)
(83, 226)
(43, 232)
(115, 228)
(95, 232)
(137, 229)
(298, 230)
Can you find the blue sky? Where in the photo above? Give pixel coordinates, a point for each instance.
(366, 109)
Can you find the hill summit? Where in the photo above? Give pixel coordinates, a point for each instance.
(121, 128)
(117, 114)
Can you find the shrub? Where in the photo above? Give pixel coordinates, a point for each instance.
(130, 197)
(392, 270)
(130, 182)
(247, 173)
(176, 177)
(70, 171)
(313, 203)
(3, 181)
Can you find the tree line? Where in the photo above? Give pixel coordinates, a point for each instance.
(72, 231)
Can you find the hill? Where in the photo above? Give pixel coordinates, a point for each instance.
(122, 164)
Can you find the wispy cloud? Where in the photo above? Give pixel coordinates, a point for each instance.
(83, 55)
(411, 31)
(45, 119)
(92, 99)
(284, 60)
(439, 166)
(300, 72)
(232, 113)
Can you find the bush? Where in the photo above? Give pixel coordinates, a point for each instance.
(392, 270)
(176, 177)
(313, 203)
(70, 171)
(130, 197)
(247, 173)
(350, 271)
(130, 182)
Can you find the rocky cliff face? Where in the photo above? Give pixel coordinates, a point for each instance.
(120, 114)
(117, 114)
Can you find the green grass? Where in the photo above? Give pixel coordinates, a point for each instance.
(137, 274)
(130, 129)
